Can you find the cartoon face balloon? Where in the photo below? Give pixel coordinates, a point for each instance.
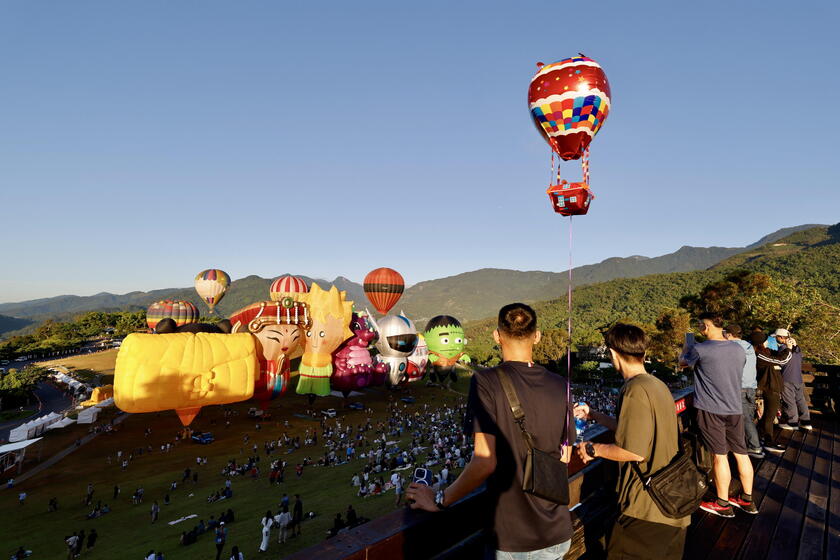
(279, 329)
(569, 101)
(397, 340)
(446, 341)
(331, 316)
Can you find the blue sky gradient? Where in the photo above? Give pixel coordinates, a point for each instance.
(145, 141)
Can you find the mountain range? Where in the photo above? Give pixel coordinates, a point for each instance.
(468, 296)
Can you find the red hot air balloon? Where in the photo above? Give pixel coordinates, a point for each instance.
(569, 101)
(384, 288)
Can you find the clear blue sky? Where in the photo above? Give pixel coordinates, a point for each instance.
(144, 141)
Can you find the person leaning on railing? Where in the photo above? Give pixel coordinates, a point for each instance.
(646, 433)
(524, 526)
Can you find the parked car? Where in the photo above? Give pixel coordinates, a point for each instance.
(204, 438)
(255, 412)
(408, 400)
(356, 406)
(329, 413)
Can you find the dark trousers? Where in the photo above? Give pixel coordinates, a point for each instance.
(748, 407)
(633, 539)
(219, 547)
(794, 406)
(771, 409)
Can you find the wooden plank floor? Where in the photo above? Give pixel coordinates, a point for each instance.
(798, 497)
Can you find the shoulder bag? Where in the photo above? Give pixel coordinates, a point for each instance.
(678, 487)
(545, 476)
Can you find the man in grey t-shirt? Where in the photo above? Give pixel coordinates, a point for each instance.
(718, 370)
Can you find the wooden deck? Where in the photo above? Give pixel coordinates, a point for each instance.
(798, 497)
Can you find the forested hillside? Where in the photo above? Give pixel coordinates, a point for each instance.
(803, 292)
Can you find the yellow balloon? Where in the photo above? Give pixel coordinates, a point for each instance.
(184, 371)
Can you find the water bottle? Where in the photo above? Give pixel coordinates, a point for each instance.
(580, 424)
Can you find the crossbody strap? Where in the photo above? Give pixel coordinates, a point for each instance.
(515, 406)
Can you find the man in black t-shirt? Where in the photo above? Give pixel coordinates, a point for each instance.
(522, 524)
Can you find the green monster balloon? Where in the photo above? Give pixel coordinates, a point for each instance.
(445, 337)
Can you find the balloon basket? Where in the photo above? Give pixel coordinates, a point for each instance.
(570, 199)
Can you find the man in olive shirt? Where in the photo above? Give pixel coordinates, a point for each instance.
(646, 433)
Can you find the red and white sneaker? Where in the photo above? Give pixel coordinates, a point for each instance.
(747, 507)
(717, 509)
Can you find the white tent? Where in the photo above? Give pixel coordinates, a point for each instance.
(88, 415)
(61, 424)
(106, 402)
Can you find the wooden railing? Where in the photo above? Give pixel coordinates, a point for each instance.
(456, 533)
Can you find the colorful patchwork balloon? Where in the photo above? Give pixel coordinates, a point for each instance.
(569, 101)
(182, 312)
(211, 286)
(384, 288)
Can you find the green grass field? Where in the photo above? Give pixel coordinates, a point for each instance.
(127, 532)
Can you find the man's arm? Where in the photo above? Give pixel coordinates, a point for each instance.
(481, 466)
(608, 451)
(583, 411)
(689, 356)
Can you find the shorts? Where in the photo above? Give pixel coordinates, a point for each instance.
(722, 433)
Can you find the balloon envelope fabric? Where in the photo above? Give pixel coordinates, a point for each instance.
(384, 287)
(182, 312)
(184, 371)
(211, 285)
(569, 101)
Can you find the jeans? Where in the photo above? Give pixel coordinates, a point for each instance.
(554, 552)
(794, 407)
(748, 407)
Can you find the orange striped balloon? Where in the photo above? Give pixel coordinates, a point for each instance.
(384, 288)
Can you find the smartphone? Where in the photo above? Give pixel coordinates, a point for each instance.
(423, 476)
(689, 339)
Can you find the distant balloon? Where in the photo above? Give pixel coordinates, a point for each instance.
(211, 285)
(569, 102)
(182, 312)
(384, 288)
(287, 286)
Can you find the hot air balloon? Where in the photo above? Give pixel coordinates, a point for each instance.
(287, 286)
(280, 329)
(182, 312)
(384, 288)
(184, 371)
(211, 285)
(569, 101)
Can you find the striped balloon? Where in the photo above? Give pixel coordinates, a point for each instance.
(211, 286)
(182, 312)
(384, 288)
(286, 286)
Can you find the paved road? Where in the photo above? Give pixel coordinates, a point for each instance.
(52, 400)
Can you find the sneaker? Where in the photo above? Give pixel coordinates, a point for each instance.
(804, 426)
(756, 453)
(788, 426)
(717, 509)
(773, 447)
(748, 507)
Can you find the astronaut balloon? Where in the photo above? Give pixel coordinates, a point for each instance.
(397, 340)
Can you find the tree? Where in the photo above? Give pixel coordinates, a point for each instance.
(668, 338)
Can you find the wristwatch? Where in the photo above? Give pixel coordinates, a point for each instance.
(439, 500)
(590, 449)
